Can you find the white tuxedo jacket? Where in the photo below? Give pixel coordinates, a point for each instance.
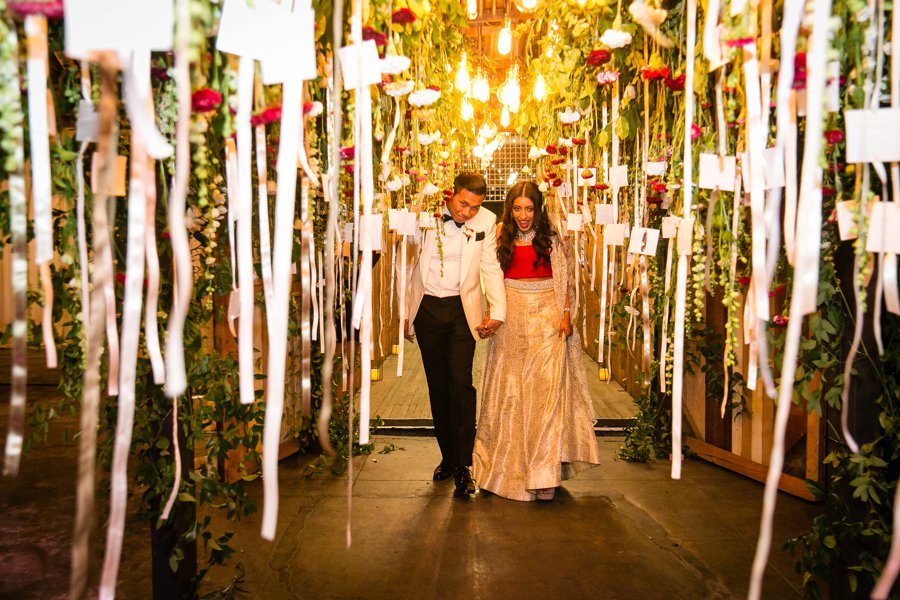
(478, 266)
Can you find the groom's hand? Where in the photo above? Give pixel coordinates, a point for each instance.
(489, 327)
(407, 333)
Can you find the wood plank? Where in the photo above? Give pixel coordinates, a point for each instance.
(788, 483)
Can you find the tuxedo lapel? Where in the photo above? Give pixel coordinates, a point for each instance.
(468, 250)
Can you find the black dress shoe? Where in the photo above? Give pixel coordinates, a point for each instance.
(443, 471)
(465, 485)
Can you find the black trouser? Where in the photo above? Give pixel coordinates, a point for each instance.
(447, 348)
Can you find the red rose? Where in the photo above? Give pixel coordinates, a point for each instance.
(833, 136)
(650, 73)
(556, 182)
(435, 88)
(403, 16)
(557, 161)
(563, 150)
(205, 100)
(777, 290)
(579, 141)
(368, 33)
(307, 106)
(799, 70)
(159, 74)
(597, 58)
(827, 192)
(551, 149)
(779, 321)
(676, 84)
(743, 280)
(348, 152)
(601, 186)
(269, 115)
(658, 187)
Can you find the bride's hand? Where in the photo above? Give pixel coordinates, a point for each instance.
(565, 328)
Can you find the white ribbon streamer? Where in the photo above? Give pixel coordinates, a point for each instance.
(265, 246)
(245, 232)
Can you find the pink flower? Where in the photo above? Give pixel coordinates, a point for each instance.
(597, 58)
(833, 136)
(799, 70)
(403, 16)
(606, 77)
(52, 9)
(695, 131)
(676, 84)
(658, 187)
(368, 33)
(650, 73)
(738, 42)
(779, 321)
(205, 100)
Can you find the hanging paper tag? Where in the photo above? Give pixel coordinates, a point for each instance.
(872, 135)
(685, 236)
(618, 176)
(234, 310)
(370, 233)
(406, 223)
(801, 102)
(425, 221)
(774, 167)
(833, 88)
(670, 227)
(614, 234)
(360, 70)
(119, 189)
(573, 222)
(846, 221)
(86, 122)
(717, 172)
(884, 223)
(586, 214)
(643, 241)
(655, 169)
(605, 214)
(394, 216)
(94, 25)
(292, 47)
(737, 7)
(564, 190)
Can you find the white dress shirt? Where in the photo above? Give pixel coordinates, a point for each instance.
(443, 275)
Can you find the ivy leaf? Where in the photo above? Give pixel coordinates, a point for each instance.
(829, 541)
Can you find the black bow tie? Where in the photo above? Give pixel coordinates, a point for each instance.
(446, 218)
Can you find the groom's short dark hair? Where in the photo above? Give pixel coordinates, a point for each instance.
(470, 181)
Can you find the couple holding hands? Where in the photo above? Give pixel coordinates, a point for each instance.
(536, 422)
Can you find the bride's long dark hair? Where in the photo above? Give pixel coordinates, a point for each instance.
(543, 231)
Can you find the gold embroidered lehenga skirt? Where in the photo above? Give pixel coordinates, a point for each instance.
(536, 422)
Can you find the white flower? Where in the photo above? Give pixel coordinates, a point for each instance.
(565, 142)
(444, 155)
(536, 152)
(570, 116)
(399, 88)
(543, 187)
(430, 189)
(615, 38)
(425, 97)
(405, 179)
(393, 64)
(394, 184)
(429, 138)
(630, 93)
(650, 19)
(316, 110)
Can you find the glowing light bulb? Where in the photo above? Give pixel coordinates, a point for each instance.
(504, 117)
(540, 88)
(462, 75)
(466, 110)
(472, 9)
(504, 39)
(529, 4)
(481, 90)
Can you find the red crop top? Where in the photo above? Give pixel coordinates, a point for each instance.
(521, 266)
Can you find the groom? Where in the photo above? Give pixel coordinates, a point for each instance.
(445, 308)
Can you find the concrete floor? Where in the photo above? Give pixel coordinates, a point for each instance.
(617, 531)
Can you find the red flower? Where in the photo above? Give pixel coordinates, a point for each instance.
(654, 200)
(205, 100)
(551, 149)
(676, 84)
(403, 16)
(307, 106)
(51, 10)
(827, 192)
(348, 152)
(563, 150)
(435, 88)
(779, 321)
(269, 115)
(159, 73)
(401, 149)
(556, 182)
(777, 290)
(120, 277)
(557, 161)
(650, 73)
(601, 186)
(833, 136)
(799, 70)
(368, 33)
(579, 141)
(658, 187)
(551, 176)
(743, 280)
(597, 58)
